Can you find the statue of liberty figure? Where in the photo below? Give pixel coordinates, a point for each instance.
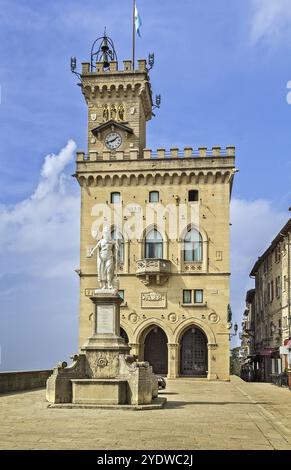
(106, 259)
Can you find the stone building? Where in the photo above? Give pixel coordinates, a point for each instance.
(169, 213)
(247, 326)
(269, 331)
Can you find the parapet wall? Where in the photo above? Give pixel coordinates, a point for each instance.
(133, 154)
(23, 380)
(113, 67)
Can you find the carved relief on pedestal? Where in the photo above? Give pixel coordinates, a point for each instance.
(153, 300)
(102, 362)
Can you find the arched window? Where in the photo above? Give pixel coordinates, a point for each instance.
(193, 246)
(115, 198)
(154, 196)
(117, 236)
(154, 245)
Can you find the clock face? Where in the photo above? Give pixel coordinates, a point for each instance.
(113, 140)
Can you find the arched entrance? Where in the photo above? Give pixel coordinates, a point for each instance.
(156, 350)
(194, 353)
(123, 335)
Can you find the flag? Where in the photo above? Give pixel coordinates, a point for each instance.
(137, 20)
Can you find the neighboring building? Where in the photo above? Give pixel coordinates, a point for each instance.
(248, 327)
(270, 322)
(175, 286)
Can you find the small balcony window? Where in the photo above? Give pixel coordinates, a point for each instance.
(115, 198)
(154, 245)
(193, 195)
(154, 196)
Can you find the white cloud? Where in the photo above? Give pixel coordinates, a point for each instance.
(270, 18)
(43, 229)
(254, 225)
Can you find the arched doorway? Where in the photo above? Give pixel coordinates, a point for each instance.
(194, 353)
(123, 335)
(156, 350)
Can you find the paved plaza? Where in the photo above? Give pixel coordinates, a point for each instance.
(199, 415)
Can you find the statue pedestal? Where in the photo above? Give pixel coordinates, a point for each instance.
(104, 374)
(104, 346)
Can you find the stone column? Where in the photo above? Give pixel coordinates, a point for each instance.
(173, 360)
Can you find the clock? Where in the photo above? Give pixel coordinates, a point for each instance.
(113, 140)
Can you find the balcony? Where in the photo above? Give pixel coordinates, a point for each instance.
(153, 270)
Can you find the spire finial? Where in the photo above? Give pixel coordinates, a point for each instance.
(103, 51)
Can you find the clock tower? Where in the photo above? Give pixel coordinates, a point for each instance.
(168, 213)
(119, 102)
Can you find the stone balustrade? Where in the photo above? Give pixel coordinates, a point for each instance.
(174, 153)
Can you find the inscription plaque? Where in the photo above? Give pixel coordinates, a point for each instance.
(153, 300)
(105, 317)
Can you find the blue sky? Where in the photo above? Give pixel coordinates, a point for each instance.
(222, 69)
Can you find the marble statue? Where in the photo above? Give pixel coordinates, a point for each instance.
(106, 259)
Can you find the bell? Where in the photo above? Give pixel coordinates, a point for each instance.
(104, 45)
(105, 60)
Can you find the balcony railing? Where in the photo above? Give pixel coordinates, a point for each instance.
(153, 269)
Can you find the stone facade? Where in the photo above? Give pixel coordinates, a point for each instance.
(170, 294)
(269, 329)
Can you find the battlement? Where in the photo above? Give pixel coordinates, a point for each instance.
(113, 67)
(159, 154)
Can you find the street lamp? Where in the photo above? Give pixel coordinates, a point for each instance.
(235, 329)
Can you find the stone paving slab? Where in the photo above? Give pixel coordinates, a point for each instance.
(198, 415)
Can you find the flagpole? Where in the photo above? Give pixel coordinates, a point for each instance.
(133, 35)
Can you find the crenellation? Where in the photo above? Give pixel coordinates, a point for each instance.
(113, 66)
(127, 65)
(216, 151)
(80, 156)
(161, 153)
(188, 152)
(133, 153)
(230, 151)
(92, 156)
(142, 65)
(174, 152)
(85, 68)
(202, 152)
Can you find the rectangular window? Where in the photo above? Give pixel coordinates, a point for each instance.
(115, 198)
(187, 296)
(285, 283)
(154, 196)
(193, 195)
(278, 286)
(198, 296)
